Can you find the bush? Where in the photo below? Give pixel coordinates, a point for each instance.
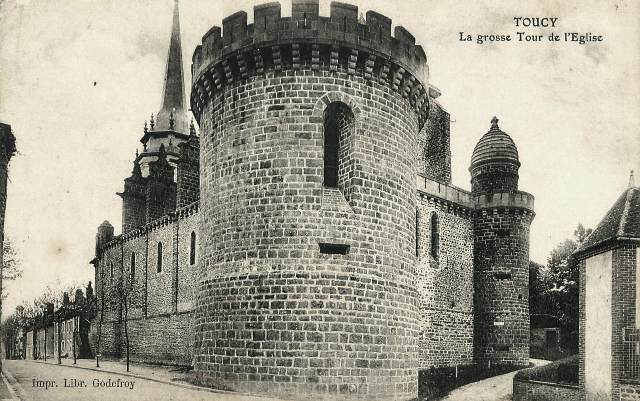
(564, 371)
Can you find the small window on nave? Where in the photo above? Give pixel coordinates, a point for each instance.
(435, 236)
(192, 249)
(133, 266)
(159, 263)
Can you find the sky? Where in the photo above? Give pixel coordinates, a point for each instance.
(79, 78)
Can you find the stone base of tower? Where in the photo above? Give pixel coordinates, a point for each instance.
(502, 347)
(501, 278)
(308, 335)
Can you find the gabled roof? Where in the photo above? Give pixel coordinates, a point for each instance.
(622, 222)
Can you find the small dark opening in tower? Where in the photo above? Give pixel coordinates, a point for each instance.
(192, 249)
(304, 16)
(503, 275)
(334, 249)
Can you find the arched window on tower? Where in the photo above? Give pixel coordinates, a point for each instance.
(435, 236)
(192, 249)
(111, 272)
(339, 124)
(133, 266)
(159, 262)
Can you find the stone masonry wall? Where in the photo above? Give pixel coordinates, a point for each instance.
(434, 145)
(277, 315)
(160, 315)
(501, 283)
(629, 392)
(494, 177)
(445, 284)
(188, 182)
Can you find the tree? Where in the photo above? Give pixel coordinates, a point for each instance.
(556, 287)
(11, 268)
(538, 285)
(125, 293)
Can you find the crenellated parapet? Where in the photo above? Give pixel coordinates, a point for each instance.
(510, 200)
(308, 40)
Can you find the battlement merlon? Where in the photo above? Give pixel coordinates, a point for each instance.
(508, 200)
(369, 49)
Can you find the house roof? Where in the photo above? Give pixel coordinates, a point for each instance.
(622, 221)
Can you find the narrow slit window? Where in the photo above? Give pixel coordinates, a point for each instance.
(133, 266)
(435, 236)
(159, 264)
(192, 249)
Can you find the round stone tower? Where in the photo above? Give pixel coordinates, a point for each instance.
(309, 128)
(501, 252)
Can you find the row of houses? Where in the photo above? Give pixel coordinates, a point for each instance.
(54, 333)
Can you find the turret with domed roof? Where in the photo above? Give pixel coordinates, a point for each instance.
(501, 252)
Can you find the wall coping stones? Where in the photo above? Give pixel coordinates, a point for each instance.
(163, 221)
(445, 192)
(463, 199)
(564, 385)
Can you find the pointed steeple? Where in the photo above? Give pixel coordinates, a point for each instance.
(173, 97)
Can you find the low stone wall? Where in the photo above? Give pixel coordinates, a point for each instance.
(531, 390)
(629, 391)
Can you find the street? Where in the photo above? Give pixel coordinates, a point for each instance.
(39, 381)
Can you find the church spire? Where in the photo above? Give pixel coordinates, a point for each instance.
(173, 97)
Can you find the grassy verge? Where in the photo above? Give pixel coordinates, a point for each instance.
(563, 371)
(435, 383)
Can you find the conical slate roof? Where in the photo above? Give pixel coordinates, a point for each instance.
(173, 97)
(495, 146)
(622, 222)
